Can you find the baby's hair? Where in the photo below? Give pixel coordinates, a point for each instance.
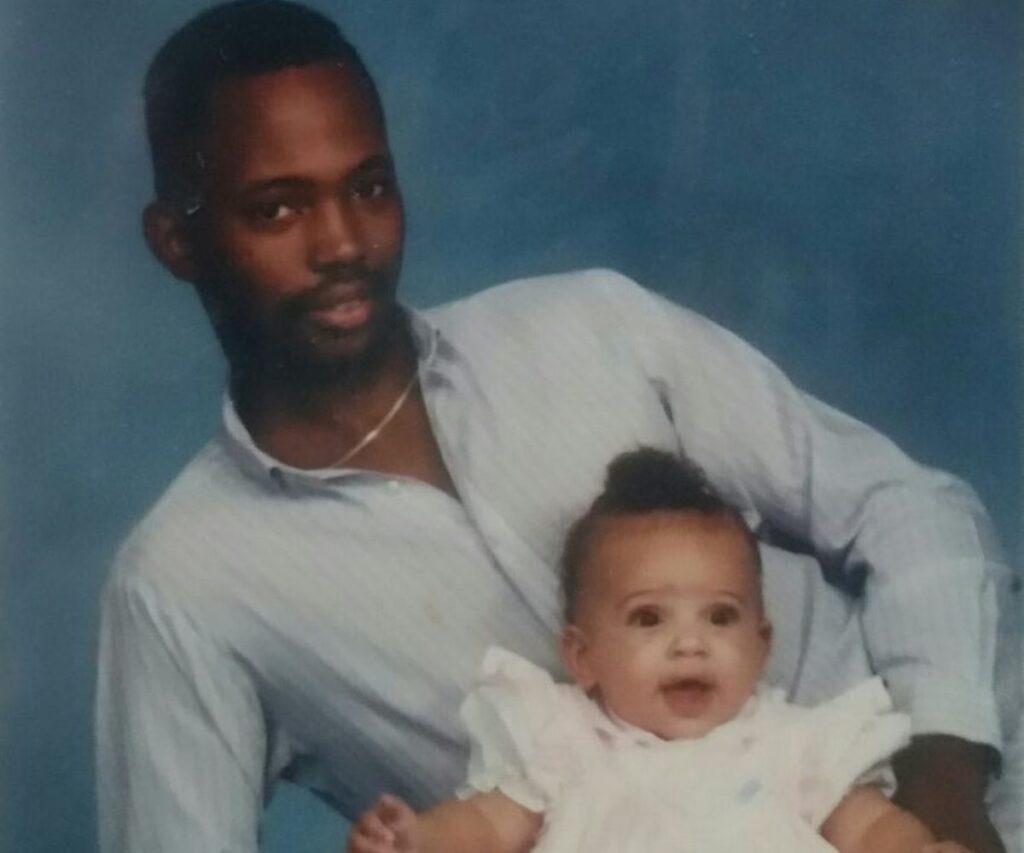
(645, 480)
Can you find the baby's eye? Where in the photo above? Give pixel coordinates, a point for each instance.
(645, 617)
(723, 614)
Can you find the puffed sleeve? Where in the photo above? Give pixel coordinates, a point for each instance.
(527, 734)
(847, 742)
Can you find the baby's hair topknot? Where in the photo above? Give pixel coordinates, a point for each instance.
(640, 481)
(649, 480)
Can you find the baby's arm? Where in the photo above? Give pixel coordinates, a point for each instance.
(484, 823)
(866, 822)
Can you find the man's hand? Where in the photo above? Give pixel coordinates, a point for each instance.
(942, 780)
(389, 827)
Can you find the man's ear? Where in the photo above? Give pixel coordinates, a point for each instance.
(575, 658)
(168, 239)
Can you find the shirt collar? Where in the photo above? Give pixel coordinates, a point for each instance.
(434, 354)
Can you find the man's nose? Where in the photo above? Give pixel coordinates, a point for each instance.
(336, 234)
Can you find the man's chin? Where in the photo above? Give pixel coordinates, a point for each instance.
(303, 352)
(327, 365)
(332, 355)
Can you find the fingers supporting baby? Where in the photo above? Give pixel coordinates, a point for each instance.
(400, 819)
(389, 826)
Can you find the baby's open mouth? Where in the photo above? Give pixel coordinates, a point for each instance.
(688, 696)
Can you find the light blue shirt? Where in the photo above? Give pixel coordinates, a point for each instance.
(265, 621)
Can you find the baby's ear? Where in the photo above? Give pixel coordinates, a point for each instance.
(574, 656)
(766, 631)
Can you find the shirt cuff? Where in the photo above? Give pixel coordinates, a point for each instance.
(942, 706)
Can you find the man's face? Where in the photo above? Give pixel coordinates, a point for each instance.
(670, 633)
(297, 245)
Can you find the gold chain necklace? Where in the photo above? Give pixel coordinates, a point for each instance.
(377, 430)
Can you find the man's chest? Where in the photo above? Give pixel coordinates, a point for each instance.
(527, 446)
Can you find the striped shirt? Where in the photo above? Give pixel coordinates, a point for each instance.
(323, 626)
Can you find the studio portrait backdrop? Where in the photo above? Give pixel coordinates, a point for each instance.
(837, 182)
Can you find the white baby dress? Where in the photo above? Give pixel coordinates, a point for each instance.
(761, 783)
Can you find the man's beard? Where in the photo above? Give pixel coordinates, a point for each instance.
(278, 345)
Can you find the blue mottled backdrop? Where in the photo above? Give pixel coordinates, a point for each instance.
(837, 181)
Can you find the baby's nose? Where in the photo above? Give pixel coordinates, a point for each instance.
(688, 641)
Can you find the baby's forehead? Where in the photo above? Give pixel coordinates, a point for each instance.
(671, 549)
(667, 528)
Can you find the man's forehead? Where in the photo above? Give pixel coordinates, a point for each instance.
(286, 93)
(297, 118)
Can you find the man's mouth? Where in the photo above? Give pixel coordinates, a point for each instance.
(343, 307)
(688, 697)
(346, 314)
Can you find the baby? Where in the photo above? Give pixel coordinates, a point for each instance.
(667, 742)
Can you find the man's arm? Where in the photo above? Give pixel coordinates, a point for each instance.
(942, 780)
(920, 538)
(179, 733)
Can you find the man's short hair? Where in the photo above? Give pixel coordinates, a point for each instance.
(238, 39)
(641, 481)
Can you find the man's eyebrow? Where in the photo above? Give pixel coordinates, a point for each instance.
(377, 161)
(278, 182)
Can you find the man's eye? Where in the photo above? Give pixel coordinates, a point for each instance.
(645, 617)
(371, 188)
(723, 614)
(276, 211)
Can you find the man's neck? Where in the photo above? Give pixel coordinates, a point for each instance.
(311, 420)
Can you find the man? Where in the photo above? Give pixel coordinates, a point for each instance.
(388, 495)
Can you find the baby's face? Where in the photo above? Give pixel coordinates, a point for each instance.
(670, 633)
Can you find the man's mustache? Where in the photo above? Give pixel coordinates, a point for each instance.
(355, 277)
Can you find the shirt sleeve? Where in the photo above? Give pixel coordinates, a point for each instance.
(919, 538)
(525, 733)
(847, 742)
(179, 733)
